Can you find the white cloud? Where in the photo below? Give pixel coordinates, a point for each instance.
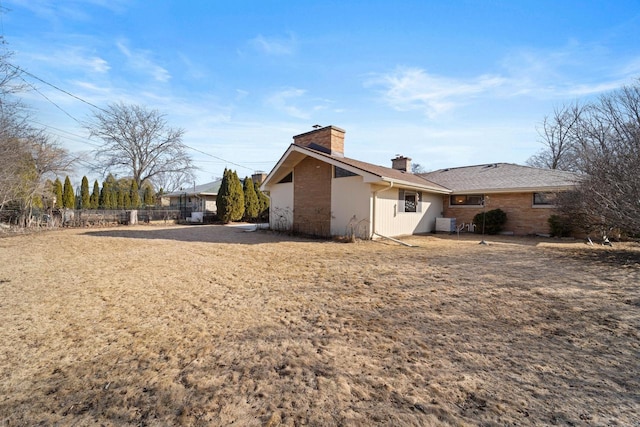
(193, 69)
(140, 61)
(71, 57)
(414, 89)
(552, 75)
(75, 10)
(573, 70)
(275, 45)
(283, 101)
(98, 65)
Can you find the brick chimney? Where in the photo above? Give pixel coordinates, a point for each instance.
(401, 163)
(329, 139)
(258, 177)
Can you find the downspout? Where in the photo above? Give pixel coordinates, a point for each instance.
(268, 194)
(375, 199)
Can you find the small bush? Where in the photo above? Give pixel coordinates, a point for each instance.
(493, 221)
(560, 226)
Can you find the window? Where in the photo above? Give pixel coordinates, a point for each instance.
(288, 178)
(466, 200)
(341, 173)
(544, 199)
(409, 201)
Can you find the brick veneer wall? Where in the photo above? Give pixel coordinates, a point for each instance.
(312, 197)
(522, 217)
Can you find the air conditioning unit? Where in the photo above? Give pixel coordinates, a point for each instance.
(447, 225)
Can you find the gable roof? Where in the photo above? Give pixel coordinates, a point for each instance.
(502, 177)
(208, 189)
(370, 172)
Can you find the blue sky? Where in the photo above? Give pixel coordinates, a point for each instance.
(447, 83)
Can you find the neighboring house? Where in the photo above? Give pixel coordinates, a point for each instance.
(199, 198)
(315, 190)
(526, 194)
(198, 201)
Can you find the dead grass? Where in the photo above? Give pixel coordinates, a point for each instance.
(209, 325)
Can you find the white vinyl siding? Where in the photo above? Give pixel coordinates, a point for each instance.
(350, 207)
(391, 220)
(281, 207)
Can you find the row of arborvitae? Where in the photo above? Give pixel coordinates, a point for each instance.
(237, 201)
(115, 194)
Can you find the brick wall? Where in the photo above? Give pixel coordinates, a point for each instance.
(522, 217)
(312, 197)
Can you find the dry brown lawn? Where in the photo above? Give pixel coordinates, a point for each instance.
(210, 325)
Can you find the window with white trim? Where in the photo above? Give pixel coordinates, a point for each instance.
(409, 201)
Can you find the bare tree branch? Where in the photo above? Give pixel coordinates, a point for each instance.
(138, 142)
(558, 135)
(606, 142)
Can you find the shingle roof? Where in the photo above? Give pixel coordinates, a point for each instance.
(382, 172)
(501, 177)
(208, 188)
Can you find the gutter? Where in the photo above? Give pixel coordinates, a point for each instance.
(375, 199)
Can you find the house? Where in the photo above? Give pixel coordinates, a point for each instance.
(316, 190)
(195, 203)
(526, 194)
(200, 200)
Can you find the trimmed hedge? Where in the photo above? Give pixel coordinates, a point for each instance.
(493, 221)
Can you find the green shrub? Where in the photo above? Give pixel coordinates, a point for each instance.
(84, 193)
(492, 221)
(230, 199)
(560, 226)
(251, 201)
(68, 197)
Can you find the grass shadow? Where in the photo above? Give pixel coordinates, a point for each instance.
(199, 233)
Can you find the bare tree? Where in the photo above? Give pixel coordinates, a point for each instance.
(607, 148)
(139, 143)
(27, 160)
(417, 168)
(558, 135)
(27, 155)
(170, 182)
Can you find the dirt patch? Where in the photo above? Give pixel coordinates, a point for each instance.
(210, 325)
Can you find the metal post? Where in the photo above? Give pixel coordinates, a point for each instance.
(484, 218)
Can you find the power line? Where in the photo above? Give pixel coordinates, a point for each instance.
(45, 97)
(21, 70)
(219, 158)
(246, 163)
(81, 140)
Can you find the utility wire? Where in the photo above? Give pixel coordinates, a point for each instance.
(219, 158)
(21, 70)
(47, 98)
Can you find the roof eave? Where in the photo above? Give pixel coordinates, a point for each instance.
(415, 186)
(515, 190)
